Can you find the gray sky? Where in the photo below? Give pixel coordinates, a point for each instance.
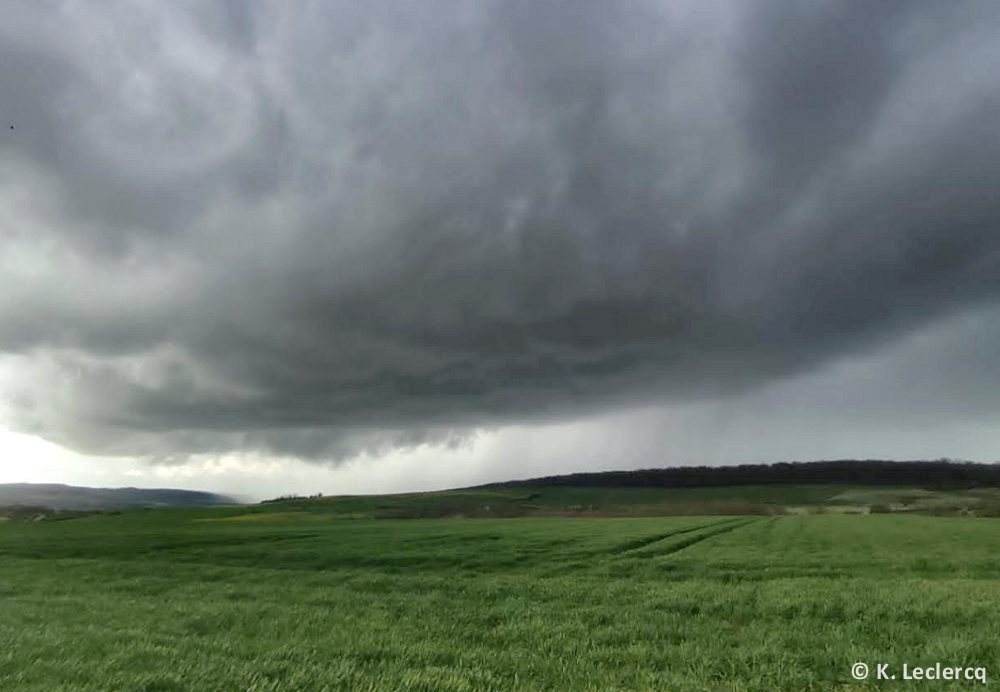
(340, 246)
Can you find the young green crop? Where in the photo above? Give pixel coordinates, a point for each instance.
(205, 600)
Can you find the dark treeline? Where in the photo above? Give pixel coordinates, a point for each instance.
(942, 473)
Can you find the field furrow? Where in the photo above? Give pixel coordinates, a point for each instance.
(645, 541)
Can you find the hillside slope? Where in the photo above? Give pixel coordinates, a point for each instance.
(847, 486)
(72, 498)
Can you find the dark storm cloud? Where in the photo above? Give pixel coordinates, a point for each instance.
(333, 228)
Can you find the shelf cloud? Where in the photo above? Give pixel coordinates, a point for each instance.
(336, 227)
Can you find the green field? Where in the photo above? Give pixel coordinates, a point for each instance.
(275, 597)
(528, 501)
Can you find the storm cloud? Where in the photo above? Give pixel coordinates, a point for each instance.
(327, 227)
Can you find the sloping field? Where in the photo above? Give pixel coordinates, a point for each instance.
(521, 500)
(163, 600)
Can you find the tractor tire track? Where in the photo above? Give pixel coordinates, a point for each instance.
(640, 543)
(692, 540)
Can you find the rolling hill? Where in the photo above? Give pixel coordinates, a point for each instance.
(845, 486)
(60, 497)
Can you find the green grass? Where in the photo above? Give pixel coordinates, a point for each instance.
(177, 600)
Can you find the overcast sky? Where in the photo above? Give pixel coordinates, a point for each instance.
(269, 247)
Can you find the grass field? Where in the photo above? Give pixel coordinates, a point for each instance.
(279, 598)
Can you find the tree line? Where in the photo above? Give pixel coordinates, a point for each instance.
(940, 473)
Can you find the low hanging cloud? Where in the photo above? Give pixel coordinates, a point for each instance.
(335, 227)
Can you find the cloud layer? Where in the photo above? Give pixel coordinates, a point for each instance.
(335, 227)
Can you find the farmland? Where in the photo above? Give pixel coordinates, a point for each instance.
(293, 596)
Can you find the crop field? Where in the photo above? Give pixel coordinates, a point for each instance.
(280, 598)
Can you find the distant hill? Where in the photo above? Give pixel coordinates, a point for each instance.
(847, 486)
(72, 498)
(939, 474)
